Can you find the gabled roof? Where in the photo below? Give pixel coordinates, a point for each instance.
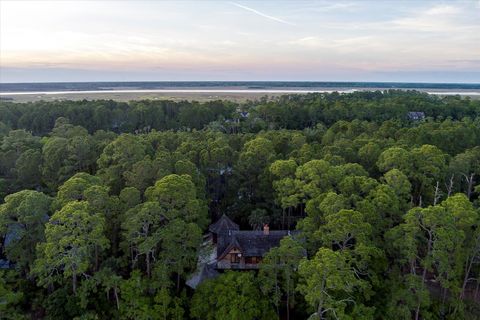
(228, 244)
(250, 243)
(223, 225)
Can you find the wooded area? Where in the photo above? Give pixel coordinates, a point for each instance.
(103, 206)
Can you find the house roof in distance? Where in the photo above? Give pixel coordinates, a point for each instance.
(415, 115)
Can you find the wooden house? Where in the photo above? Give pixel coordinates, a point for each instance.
(241, 249)
(226, 247)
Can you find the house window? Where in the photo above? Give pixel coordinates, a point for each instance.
(252, 260)
(235, 257)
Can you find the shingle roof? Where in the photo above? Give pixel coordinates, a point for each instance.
(223, 225)
(5, 264)
(14, 233)
(250, 243)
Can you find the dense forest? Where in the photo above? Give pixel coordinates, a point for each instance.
(103, 206)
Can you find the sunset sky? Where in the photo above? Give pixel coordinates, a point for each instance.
(418, 41)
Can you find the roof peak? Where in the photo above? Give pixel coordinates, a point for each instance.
(223, 225)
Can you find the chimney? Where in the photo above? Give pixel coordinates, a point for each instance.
(266, 229)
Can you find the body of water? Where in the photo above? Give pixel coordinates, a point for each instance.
(230, 87)
(475, 93)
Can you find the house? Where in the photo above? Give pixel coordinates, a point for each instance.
(244, 114)
(416, 116)
(14, 233)
(226, 247)
(241, 249)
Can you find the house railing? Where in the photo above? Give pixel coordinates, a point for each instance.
(236, 266)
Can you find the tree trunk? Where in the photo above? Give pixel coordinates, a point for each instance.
(320, 303)
(276, 292)
(288, 298)
(470, 185)
(288, 217)
(132, 256)
(96, 258)
(477, 289)
(450, 186)
(465, 279)
(424, 273)
(320, 310)
(74, 283)
(178, 282)
(437, 194)
(288, 306)
(115, 293)
(148, 264)
(444, 298)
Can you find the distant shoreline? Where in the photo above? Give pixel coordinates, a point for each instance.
(475, 93)
(211, 90)
(231, 85)
(286, 91)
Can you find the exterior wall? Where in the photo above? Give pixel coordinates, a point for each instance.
(234, 266)
(232, 261)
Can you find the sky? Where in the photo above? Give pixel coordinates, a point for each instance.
(405, 41)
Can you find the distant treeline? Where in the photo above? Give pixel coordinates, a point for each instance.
(287, 112)
(103, 207)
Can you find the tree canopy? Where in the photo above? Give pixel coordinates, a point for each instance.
(105, 207)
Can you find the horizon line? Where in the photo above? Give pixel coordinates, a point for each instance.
(244, 81)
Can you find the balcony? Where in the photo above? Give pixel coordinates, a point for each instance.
(236, 266)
